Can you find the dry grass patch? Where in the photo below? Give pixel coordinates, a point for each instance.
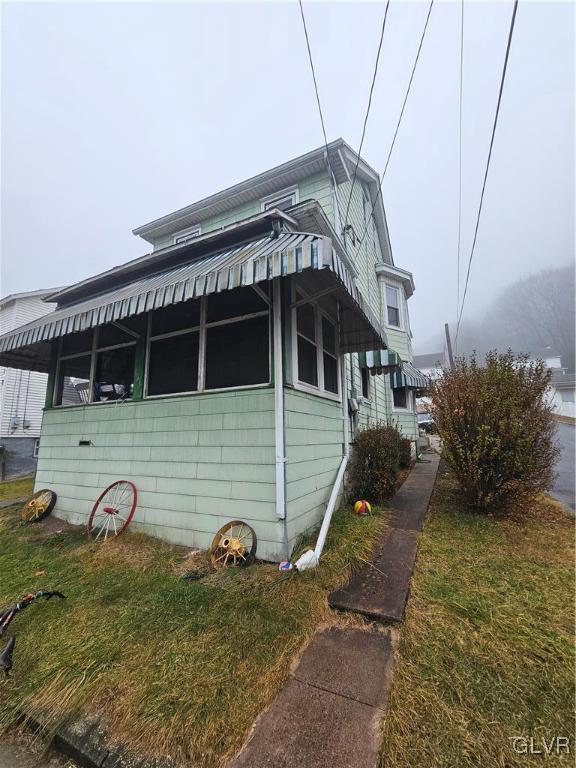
(175, 668)
(487, 649)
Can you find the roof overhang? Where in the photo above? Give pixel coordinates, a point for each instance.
(244, 264)
(400, 275)
(256, 187)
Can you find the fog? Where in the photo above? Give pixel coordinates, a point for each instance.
(114, 114)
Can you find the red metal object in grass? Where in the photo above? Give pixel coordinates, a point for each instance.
(113, 510)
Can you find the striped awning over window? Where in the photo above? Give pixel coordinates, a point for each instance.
(242, 265)
(409, 376)
(403, 374)
(380, 361)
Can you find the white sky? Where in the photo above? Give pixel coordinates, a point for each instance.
(114, 114)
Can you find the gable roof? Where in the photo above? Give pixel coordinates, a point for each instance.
(342, 162)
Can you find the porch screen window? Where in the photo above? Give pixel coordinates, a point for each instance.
(113, 367)
(98, 366)
(218, 342)
(400, 397)
(237, 339)
(393, 305)
(173, 364)
(73, 383)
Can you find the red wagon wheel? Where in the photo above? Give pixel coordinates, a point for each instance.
(113, 510)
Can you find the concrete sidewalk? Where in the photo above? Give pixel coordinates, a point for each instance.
(328, 713)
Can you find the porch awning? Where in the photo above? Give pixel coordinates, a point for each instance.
(409, 376)
(380, 361)
(246, 264)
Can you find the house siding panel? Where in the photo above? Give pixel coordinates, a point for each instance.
(314, 436)
(194, 466)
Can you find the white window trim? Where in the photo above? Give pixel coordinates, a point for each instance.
(278, 196)
(319, 343)
(368, 398)
(186, 234)
(409, 401)
(36, 447)
(401, 303)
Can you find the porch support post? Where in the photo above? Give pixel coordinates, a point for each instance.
(51, 383)
(279, 401)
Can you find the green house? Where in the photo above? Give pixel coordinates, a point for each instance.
(226, 372)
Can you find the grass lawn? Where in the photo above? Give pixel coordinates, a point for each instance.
(175, 667)
(486, 652)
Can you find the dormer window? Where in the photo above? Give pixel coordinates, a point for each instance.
(282, 200)
(186, 234)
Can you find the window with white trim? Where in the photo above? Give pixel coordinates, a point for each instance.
(365, 377)
(401, 398)
(284, 199)
(316, 348)
(186, 234)
(36, 448)
(393, 310)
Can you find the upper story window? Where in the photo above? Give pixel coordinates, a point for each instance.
(393, 311)
(316, 348)
(186, 234)
(284, 199)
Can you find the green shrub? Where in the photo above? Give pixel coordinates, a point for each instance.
(405, 453)
(496, 425)
(375, 462)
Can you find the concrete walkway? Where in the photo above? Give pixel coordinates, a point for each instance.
(328, 713)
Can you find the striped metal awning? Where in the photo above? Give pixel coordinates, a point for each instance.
(380, 361)
(246, 264)
(409, 376)
(403, 374)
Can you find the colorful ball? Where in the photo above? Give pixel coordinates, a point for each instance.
(362, 507)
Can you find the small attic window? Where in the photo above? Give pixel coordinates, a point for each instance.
(186, 234)
(282, 200)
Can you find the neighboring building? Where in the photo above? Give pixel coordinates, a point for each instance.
(22, 392)
(225, 372)
(563, 391)
(430, 364)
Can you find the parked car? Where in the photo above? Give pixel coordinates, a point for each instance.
(426, 422)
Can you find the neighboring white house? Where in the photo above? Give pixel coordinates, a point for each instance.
(563, 391)
(430, 364)
(22, 393)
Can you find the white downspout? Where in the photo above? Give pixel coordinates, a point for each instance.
(311, 558)
(279, 408)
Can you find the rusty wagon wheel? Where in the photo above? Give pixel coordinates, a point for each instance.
(113, 510)
(38, 507)
(234, 544)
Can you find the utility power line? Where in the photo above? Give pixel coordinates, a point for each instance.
(367, 114)
(460, 159)
(398, 123)
(319, 104)
(503, 78)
